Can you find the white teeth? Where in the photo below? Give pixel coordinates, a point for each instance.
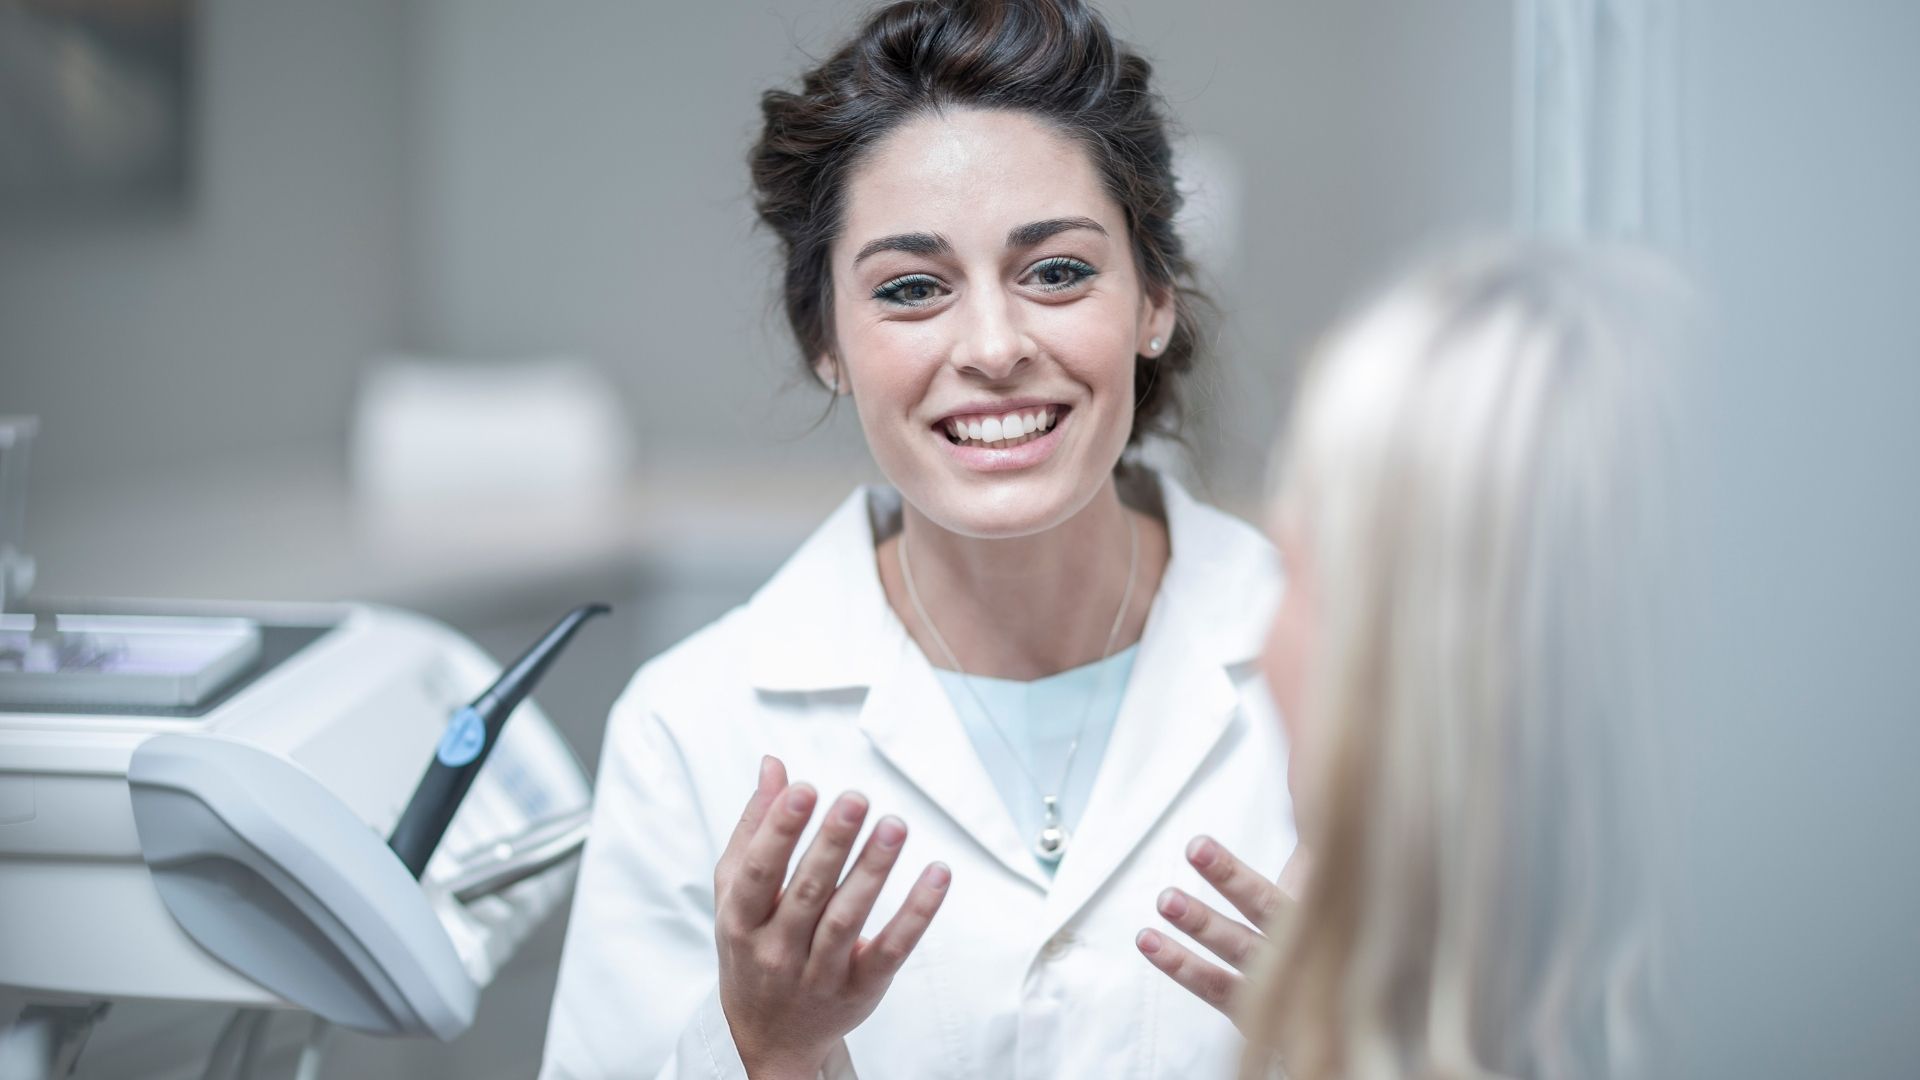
(1001, 432)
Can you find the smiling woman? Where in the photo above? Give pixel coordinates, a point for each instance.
(1038, 655)
(998, 285)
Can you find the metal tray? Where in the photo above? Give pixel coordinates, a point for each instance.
(122, 660)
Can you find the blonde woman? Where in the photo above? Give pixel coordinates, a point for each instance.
(1466, 517)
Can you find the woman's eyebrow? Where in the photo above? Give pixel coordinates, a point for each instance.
(1020, 236)
(1033, 232)
(918, 243)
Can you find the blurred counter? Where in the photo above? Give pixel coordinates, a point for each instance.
(291, 528)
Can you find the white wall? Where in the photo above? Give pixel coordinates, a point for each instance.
(237, 322)
(581, 186)
(486, 178)
(1364, 130)
(1796, 827)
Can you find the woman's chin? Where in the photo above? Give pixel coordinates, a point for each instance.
(1005, 506)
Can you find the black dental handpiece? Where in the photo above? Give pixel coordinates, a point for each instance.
(469, 738)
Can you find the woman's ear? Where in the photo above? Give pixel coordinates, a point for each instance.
(826, 367)
(1157, 315)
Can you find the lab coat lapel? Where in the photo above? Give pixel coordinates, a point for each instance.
(823, 623)
(911, 722)
(1179, 703)
(1213, 608)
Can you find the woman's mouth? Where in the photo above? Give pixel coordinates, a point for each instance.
(995, 441)
(1002, 431)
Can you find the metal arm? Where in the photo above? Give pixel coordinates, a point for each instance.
(16, 566)
(507, 863)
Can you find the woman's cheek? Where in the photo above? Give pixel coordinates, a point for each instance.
(1095, 344)
(891, 375)
(1280, 664)
(1286, 660)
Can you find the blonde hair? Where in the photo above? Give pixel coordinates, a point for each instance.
(1472, 468)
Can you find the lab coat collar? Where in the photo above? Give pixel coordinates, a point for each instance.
(822, 622)
(912, 723)
(1210, 617)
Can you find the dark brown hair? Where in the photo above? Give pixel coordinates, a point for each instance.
(1053, 59)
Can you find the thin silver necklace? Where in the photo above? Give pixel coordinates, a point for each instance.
(1051, 844)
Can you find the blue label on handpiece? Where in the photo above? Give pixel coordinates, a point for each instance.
(466, 736)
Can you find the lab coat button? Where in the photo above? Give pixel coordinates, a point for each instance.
(1060, 944)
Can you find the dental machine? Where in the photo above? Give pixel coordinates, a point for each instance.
(264, 807)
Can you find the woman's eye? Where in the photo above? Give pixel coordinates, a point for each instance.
(1060, 274)
(912, 290)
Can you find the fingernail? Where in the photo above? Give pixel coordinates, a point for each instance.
(1172, 904)
(1200, 853)
(938, 876)
(766, 769)
(1148, 941)
(890, 832)
(852, 808)
(799, 798)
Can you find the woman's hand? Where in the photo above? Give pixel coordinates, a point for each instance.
(795, 975)
(1229, 939)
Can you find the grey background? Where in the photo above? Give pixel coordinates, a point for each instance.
(1799, 945)
(484, 178)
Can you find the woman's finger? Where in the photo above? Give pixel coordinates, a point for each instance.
(1228, 939)
(1245, 888)
(813, 881)
(1210, 983)
(748, 896)
(876, 961)
(847, 912)
(773, 777)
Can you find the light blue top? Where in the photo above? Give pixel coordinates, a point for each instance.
(1040, 718)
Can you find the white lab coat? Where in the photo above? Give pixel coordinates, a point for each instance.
(1018, 977)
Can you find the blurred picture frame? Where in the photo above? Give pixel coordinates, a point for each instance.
(96, 105)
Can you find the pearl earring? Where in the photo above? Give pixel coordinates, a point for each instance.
(1153, 346)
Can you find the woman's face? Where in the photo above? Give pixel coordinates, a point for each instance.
(987, 314)
(1287, 660)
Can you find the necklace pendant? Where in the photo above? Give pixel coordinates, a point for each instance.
(1052, 843)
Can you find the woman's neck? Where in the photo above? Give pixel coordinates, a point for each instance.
(1031, 606)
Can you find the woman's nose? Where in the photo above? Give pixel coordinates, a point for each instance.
(992, 345)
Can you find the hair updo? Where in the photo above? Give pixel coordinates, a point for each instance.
(1055, 60)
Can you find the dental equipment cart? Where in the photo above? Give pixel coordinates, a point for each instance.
(199, 811)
